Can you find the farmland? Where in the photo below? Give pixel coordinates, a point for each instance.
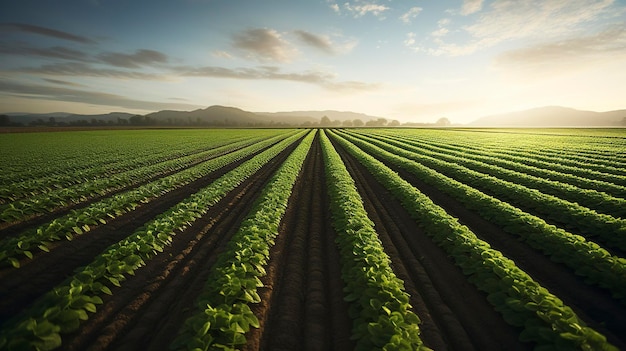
(336, 239)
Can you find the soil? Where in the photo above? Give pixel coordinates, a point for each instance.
(592, 304)
(302, 302)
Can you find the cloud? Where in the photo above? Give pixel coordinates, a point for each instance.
(323, 79)
(84, 70)
(471, 6)
(221, 54)
(317, 41)
(264, 45)
(362, 10)
(550, 57)
(44, 92)
(59, 52)
(139, 58)
(324, 43)
(508, 20)
(335, 8)
(53, 33)
(62, 82)
(409, 15)
(410, 39)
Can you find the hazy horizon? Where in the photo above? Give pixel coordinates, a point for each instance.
(411, 61)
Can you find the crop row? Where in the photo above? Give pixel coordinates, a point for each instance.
(379, 306)
(541, 172)
(560, 153)
(589, 223)
(584, 257)
(522, 301)
(592, 199)
(61, 310)
(84, 219)
(22, 209)
(119, 170)
(223, 313)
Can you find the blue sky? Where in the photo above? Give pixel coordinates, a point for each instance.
(409, 60)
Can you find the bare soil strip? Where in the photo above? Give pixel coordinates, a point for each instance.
(20, 287)
(454, 314)
(302, 305)
(149, 308)
(592, 304)
(14, 228)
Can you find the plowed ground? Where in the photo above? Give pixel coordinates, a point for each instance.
(302, 305)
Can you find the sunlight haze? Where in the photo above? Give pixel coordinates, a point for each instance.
(406, 60)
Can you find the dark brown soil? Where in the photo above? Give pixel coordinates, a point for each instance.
(149, 308)
(8, 229)
(593, 304)
(20, 287)
(454, 314)
(302, 305)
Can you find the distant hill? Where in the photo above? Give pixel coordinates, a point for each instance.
(315, 116)
(210, 115)
(554, 116)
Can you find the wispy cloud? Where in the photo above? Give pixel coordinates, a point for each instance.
(552, 57)
(410, 14)
(323, 79)
(324, 42)
(139, 58)
(85, 70)
(358, 10)
(49, 32)
(58, 52)
(63, 82)
(507, 20)
(43, 92)
(471, 6)
(265, 45)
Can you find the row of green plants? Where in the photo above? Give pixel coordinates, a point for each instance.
(122, 169)
(545, 172)
(585, 258)
(523, 302)
(379, 306)
(61, 310)
(45, 157)
(570, 152)
(79, 221)
(51, 200)
(589, 223)
(223, 314)
(599, 201)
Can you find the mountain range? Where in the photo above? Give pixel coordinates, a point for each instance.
(552, 116)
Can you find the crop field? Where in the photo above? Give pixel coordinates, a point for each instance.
(306, 239)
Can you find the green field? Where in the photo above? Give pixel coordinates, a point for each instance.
(472, 239)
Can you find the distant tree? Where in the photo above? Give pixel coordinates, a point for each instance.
(335, 123)
(4, 120)
(306, 124)
(325, 122)
(381, 122)
(443, 121)
(347, 123)
(52, 121)
(357, 123)
(394, 123)
(136, 120)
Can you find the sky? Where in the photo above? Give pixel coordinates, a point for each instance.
(411, 60)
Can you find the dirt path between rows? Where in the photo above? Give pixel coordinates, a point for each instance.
(302, 305)
(454, 314)
(14, 228)
(592, 304)
(149, 308)
(20, 287)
